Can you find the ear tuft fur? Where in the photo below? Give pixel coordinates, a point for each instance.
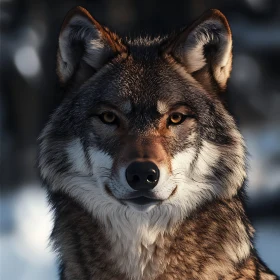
(205, 49)
(84, 46)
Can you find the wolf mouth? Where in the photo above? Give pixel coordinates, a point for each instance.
(142, 200)
(140, 197)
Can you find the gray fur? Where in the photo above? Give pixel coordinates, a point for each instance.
(199, 230)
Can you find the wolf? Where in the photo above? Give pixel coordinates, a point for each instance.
(144, 166)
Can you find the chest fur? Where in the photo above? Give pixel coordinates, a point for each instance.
(200, 245)
(139, 254)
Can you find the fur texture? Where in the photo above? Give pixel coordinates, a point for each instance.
(194, 226)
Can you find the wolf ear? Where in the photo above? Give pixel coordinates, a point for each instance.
(205, 49)
(84, 46)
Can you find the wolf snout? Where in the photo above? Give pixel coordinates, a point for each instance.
(142, 175)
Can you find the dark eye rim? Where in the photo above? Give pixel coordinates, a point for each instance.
(101, 117)
(184, 117)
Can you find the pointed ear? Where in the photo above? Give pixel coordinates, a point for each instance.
(84, 46)
(205, 49)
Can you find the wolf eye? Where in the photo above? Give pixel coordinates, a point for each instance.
(108, 118)
(176, 118)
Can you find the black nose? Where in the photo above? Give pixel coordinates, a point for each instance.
(142, 175)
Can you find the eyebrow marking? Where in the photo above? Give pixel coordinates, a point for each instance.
(162, 107)
(126, 107)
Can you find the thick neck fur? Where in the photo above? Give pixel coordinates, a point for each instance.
(210, 244)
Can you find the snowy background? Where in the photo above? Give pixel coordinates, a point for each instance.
(30, 92)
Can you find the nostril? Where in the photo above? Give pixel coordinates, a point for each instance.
(151, 179)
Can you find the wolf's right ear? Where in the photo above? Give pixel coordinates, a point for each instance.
(84, 46)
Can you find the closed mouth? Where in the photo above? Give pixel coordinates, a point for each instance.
(139, 198)
(142, 200)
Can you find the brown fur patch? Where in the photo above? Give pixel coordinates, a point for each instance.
(194, 251)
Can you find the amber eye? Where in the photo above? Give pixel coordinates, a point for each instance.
(176, 118)
(108, 118)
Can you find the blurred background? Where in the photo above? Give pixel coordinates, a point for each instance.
(30, 92)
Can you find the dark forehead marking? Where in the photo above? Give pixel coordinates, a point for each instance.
(145, 48)
(148, 84)
(144, 85)
(142, 53)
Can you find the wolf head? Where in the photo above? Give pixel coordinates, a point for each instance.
(142, 130)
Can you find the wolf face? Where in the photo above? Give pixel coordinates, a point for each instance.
(142, 133)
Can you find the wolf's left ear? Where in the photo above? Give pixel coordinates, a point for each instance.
(205, 49)
(84, 46)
